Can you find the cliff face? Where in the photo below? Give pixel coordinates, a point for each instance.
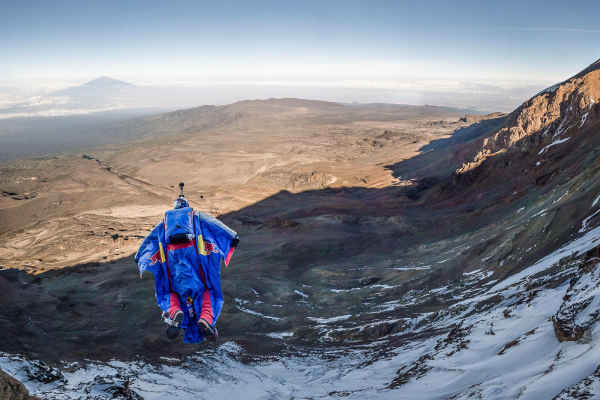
(557, 113)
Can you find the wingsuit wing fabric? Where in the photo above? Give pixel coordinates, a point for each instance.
(190, 271)
(214, 243)
(150, 257)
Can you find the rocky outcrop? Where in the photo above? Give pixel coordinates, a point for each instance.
(547, 119)
(12, 389)
(115, 386)
(580, 307)
(587, 388)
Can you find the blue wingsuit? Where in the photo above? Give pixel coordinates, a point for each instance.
(188, 270)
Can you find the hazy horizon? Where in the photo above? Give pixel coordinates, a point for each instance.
(59, 101)
(466, 54)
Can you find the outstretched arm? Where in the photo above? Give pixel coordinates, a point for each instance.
(151, 256)
(227, 239)
(148, 256)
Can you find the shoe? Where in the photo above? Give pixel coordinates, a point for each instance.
(208, 331)
(178, 319)
(175, 320)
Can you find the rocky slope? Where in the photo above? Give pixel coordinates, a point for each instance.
(549, 132)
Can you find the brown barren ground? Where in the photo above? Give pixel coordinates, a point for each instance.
(69, 210)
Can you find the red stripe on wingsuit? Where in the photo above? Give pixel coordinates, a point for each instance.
(231, 250)
(155, 257)
(178, 246)
(209, 247)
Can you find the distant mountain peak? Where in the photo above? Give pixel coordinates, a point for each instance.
(107, 82)
(96, 88)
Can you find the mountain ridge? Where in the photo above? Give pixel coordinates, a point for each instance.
(530, 145)
(545, 113)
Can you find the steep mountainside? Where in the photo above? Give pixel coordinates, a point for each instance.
(548, 133)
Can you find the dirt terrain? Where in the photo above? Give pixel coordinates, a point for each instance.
(67, 210)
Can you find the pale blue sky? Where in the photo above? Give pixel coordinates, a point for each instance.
(312, 41)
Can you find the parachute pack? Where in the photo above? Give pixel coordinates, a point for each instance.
(179, 225)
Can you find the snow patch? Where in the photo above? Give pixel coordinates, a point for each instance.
(415, 268)
(280, 335)
(345, 290)
(255, 313)
(477, 275)
(303, 295)
(553, 144)
(539, 213)
(440, 290)
(380, 286)
(561, 128)
(585, 222)
(560, 198)
(550, 89)
(329, 320)
(596, 200)
(170, 359)
(583, 119)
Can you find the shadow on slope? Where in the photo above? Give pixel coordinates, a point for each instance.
(293, 245)
(441, 157)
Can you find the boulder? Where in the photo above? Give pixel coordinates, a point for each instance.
(12, 389)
